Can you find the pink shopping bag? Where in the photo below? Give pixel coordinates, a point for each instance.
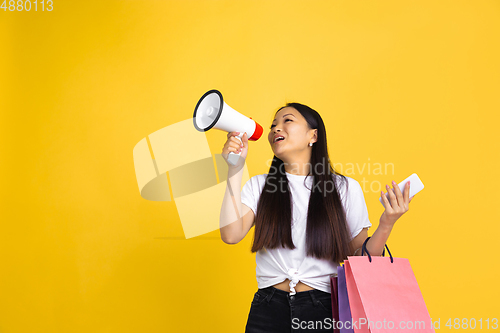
(384, 295)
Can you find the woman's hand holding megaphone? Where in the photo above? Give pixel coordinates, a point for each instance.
(233, 145)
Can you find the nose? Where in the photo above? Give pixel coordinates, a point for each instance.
(274, 132)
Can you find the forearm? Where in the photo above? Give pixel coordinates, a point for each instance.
(377, 241)
(230, 222)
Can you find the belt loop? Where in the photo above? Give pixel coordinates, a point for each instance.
(314, 299)
(268, 297)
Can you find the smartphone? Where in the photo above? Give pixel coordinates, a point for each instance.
(416, 186)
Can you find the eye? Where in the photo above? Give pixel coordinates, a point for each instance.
(275, 125)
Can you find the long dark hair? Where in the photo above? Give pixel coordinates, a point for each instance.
(327, 235)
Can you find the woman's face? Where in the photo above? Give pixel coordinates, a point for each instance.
(293, 127)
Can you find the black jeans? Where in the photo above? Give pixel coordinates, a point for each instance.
(274, 310)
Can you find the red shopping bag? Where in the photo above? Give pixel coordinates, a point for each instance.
(335, 302)
(384, 295)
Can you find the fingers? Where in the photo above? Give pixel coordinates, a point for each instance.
(230, 134)
(239, 140)
(403, 199)
(400, 200)
(236, 142)
(392, 196)
(233, 144)
(399, 195)
(385, 201)
(407, 194)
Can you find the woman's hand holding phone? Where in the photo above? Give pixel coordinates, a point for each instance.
(398, 205)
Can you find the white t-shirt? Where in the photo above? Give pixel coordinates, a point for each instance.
(276, 265)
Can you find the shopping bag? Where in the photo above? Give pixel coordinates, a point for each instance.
(340, 303)
(335, 302)
(384, 295)
(345, 317)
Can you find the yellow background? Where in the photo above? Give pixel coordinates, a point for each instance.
(412, 83)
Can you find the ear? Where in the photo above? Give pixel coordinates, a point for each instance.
(315, 135)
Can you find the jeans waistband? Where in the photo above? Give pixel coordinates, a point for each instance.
(284, 296)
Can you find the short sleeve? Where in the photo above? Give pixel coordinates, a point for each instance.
(356, 210)
(248, 194)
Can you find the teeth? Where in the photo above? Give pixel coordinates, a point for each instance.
(279, 137)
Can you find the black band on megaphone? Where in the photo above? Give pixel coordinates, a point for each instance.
(221, 105)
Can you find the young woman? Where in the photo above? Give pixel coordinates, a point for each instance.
(308, 218)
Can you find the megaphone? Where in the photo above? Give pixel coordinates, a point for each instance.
(212, 112)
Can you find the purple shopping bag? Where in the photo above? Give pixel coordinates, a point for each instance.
(345, 317)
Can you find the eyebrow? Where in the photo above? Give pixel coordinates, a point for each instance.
(288, 114)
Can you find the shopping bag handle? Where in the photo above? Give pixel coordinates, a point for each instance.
(364, 249)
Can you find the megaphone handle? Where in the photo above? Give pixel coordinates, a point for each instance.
(232, 157)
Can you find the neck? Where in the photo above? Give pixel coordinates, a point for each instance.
(299, 169)
(300, 164)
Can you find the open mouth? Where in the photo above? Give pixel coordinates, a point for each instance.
(279, 139)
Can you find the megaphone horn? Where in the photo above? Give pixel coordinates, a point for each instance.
(212, 112)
